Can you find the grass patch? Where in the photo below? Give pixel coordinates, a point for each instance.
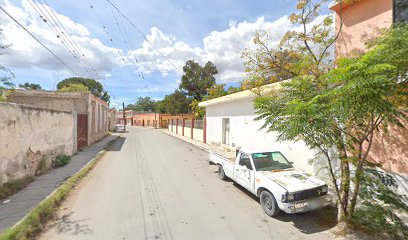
(35, 221)
(60, 160)
(14, 186)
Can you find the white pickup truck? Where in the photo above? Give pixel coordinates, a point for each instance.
(271, 177)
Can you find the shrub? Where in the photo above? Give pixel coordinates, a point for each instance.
(61, 160)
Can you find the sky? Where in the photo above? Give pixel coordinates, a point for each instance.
(140, 57)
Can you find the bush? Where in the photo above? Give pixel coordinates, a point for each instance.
(61, 160)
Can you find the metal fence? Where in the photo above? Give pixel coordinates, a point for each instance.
(187, 123)
(198, 124)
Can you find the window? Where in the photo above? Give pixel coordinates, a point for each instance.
(400, 11)
(245, 161)
(268, 161)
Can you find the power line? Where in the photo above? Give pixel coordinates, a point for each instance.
(126, 42)
(60, 35)
(142, 34)
(42, 44)
(110, 38)
(70, 39)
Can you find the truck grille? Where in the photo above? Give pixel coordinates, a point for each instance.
(311, 193)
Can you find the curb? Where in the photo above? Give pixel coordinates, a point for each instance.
(197, 146)
(33, 222)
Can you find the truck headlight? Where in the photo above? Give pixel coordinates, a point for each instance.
(288, 197)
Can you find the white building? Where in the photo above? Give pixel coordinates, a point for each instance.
(231, 123)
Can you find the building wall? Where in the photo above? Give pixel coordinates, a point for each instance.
(71, 102)
(363, 21)
(78, 103)
(29, 134)
(97, 119)
(246, 132)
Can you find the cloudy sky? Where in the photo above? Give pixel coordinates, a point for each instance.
(112, 49)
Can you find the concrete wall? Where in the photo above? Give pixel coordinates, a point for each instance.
(198, 134)
(79, 103)
(111, 119)
(246, 132)
(71, 102)
(29, 134)
(363, 21)
(97, 119)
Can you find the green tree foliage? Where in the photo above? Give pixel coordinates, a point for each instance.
(177, 103)
(93, 86)
(6, 75)
(305, 50)
(78, 88)
(30, 86)
(215, 91)
(143, 104)
(197, 79)
(345, 108)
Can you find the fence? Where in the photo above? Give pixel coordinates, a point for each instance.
(191, 128)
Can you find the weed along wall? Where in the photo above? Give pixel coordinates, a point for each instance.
(30, 137)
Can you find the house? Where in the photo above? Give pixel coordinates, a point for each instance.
(230, 122)
(156, 119)
(363, 21)
(92, 115)
(128, 117)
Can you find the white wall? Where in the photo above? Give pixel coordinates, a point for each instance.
(246, 132)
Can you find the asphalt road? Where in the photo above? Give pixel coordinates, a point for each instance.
(153, 186)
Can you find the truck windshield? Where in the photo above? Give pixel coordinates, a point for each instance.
(269, 161)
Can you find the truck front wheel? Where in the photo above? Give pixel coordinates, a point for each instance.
(221, 173)
(268, 203)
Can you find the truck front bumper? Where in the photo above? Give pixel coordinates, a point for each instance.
(306, 205)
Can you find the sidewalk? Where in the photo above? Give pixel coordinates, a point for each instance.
(203, 146)
(22, 202)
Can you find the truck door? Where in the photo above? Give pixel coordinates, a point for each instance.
(244, 173)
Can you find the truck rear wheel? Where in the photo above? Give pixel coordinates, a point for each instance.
(268, 203)
(221, 173)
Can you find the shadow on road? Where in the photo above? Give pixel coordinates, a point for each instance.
(307, 223)
(74, 227)
(118, 145)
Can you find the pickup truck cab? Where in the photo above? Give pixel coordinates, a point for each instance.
(270, 176)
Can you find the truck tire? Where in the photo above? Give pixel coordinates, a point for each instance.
(268, 203)
(221, 173)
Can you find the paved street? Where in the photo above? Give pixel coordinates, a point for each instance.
(25, 200)
(153, 186)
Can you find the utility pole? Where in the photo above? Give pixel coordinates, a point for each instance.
(155, 120)
(124, 116)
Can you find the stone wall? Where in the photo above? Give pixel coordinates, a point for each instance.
(30, 137)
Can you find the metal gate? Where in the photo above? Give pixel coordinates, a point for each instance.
(82, 131)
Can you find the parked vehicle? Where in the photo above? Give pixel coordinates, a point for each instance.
(271, 177)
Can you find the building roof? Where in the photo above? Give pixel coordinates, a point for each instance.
(242, 95)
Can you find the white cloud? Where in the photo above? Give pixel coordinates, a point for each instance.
(26, 53)
(221, 47)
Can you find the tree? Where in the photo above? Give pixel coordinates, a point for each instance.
(93, 86)
(143, 104)
(344, 109)
(78, 88)
(197, 79)
(5, 78)
(177, 103)
(301, 55)
(30, 86)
